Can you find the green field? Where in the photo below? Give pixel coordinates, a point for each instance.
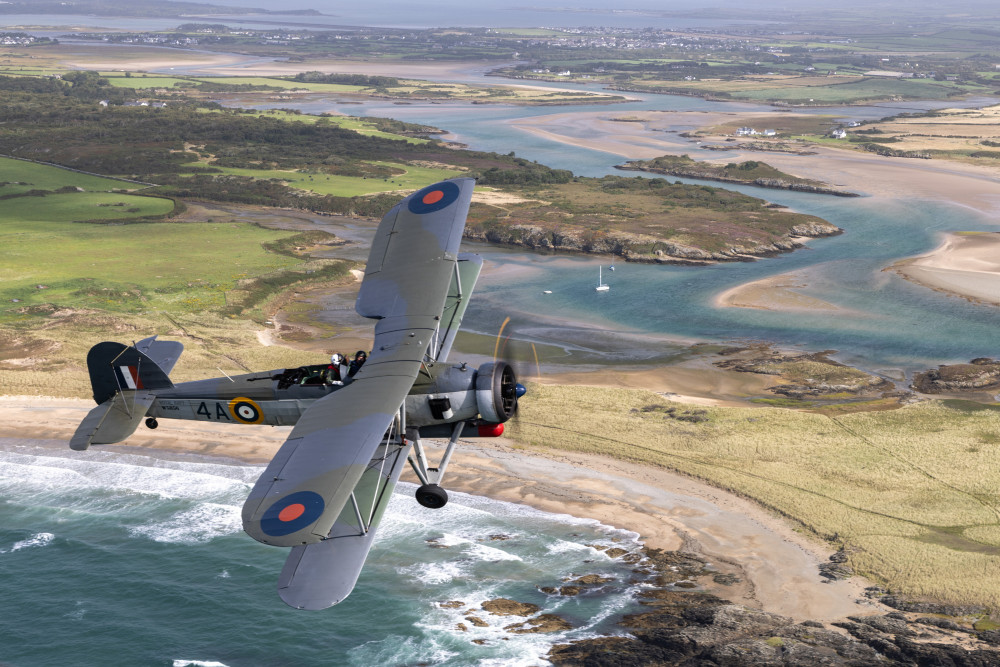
(51, 258)
(20, 176)
(411, 178)
(910, 494)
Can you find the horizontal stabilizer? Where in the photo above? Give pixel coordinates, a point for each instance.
(320, 575)
(113, 420)
(163, 353)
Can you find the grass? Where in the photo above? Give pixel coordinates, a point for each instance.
(20, 176)
(911, 493)
(359, 125)
(412, 178)
(53, 261)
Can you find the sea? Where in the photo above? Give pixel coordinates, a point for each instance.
(114, 558)
(110, 557)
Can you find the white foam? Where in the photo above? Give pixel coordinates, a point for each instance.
(435, 574)
(565, 546)
(37, 540)
(173, 482)
(492, 554)
(198, 663)
(411, 650)
(201, 523)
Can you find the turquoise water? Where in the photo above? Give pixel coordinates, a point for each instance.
(114, 558)
(882, 323)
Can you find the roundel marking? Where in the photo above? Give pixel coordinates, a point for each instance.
(245, 411)
(433, 198)
(292, 513)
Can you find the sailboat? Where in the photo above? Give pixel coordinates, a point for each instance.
(601, 287)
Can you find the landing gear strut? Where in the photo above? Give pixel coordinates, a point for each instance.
(430, 494)
(151, 422)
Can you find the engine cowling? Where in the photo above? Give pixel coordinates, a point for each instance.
(496, 391)
(457, 393)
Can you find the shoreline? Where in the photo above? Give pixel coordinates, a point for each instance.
(646, 137)
(777, 565)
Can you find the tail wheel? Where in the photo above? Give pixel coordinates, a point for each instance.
(432, 496)
(151, 422)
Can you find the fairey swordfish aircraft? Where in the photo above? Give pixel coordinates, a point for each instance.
(324, 492)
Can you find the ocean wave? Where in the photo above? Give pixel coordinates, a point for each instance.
(140, 475)
(36, 540)
(198, 663)
(397, 650)
(435, 574)
(201, 523)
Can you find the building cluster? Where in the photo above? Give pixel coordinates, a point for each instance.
(752, 132)
(20, 39)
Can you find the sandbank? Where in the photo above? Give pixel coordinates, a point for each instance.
(645, 137)
(966, 264)
(777, 565)
(773, 293)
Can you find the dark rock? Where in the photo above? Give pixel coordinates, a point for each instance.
(943, 623)
(505, 607)
(835, 571)
(886, 624)
(538, 624)
(927, 607)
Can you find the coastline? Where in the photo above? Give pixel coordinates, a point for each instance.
(975, 187)
(778, 566)
(964, 265)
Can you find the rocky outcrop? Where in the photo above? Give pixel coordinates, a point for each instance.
(805, 375)
(981, 374)
(697, 628)
(645, 249)
(698, 171)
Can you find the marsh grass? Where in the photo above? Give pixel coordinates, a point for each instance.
(901, 490)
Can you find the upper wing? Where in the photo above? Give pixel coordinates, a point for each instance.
(304, 488)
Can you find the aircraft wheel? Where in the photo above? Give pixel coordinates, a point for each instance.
(432, 496)
(151, 422)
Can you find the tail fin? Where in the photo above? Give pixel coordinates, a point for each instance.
(123, 379)
(115, 367)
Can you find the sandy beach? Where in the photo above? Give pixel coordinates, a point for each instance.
(778, 566)
(965, 264)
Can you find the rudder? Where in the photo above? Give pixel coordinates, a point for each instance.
(115, 367)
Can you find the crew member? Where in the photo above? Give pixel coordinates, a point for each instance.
(359, 360)
(337, 369)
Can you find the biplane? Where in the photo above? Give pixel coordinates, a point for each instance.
(324, 492)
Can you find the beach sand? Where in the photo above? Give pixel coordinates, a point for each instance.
(773, 293)
(777, 566)
(966, 264)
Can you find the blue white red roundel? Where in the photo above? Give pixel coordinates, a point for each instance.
(293, 512)
(433, 198)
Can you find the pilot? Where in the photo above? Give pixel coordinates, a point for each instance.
(337, 368)
(359, 360)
